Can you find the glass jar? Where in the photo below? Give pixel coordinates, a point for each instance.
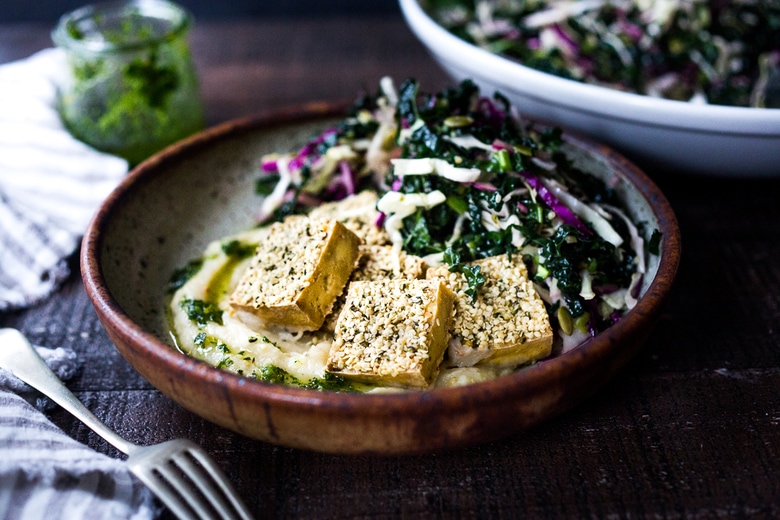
(131, 87)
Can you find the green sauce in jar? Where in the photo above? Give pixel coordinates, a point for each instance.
(131, 88)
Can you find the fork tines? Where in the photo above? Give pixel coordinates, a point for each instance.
(187, 481)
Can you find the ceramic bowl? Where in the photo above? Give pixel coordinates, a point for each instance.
(166, 211)
(673, 135)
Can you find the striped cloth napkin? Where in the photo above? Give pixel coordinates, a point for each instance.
(46, 474)
(50, 186)
(50, 183)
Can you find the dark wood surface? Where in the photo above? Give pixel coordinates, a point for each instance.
(50, 10)
(690, 429)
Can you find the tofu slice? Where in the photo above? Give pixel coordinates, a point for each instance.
(392, 332)
(296, 274)
(507, 325)
(377, 262)
(359, 214)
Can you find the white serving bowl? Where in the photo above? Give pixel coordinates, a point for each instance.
(657, 133)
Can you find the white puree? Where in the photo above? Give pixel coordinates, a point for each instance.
(238, 348)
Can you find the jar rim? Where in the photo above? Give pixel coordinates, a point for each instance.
(67, 33)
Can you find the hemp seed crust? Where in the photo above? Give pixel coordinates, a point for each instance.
(297, 272)
(507, 324)
(392, 332)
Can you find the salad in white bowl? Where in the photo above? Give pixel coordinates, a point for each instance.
(679, 128)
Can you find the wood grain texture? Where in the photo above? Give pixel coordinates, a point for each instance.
(246, 67)
(690, 429)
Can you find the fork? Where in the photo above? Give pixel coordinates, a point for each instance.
(178, 471)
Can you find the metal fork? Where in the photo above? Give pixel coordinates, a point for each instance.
(178, 471)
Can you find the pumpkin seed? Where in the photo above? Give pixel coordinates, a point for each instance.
(565, 321)
(458, 121)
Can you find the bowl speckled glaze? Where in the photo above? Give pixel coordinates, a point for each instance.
(169, 207)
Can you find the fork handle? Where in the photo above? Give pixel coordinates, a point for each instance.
(19, 357)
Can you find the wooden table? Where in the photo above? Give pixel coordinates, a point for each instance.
(690, 429)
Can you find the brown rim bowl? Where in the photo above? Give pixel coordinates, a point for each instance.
(168, 208)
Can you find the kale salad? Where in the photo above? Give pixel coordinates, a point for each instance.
(461, 177)
(716, 52)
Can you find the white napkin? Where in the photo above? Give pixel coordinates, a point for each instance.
(50, 183)
(50, 186)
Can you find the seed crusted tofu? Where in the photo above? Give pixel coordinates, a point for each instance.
(507, 325)
(296, 274)
(392, 332)
(359, 214)
(383, 261)
(377, 262)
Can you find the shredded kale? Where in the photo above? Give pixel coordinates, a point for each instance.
(654, 244)
(406, 110)
(472, 273)
(351, 128)
(489, 224)
(265, 184)
(285, 210)
(679, 53)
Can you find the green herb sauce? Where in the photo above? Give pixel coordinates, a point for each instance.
(130, 99)
(181, 275)
(275, 375)
(201, 312)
